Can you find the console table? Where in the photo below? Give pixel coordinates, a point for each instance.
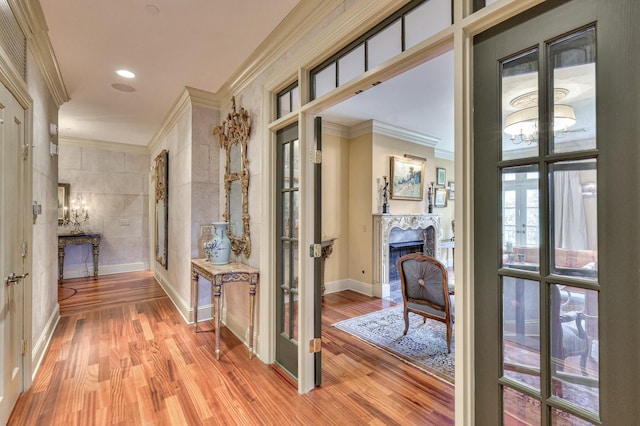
(327, 249)
(78, 239)
(218, 275)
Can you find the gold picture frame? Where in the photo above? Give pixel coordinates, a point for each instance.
(407, 181)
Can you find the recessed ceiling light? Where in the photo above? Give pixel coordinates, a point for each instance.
(123, 87)
(125, 73)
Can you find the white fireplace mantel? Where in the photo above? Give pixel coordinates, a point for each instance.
(382, 226)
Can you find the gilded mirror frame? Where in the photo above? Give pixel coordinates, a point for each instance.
(64, 191)
(234, 133)
(162, 217)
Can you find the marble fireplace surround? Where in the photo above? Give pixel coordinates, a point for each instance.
(383, 224)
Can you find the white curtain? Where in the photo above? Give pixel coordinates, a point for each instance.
(570, 219)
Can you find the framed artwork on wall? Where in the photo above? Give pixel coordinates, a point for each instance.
(452, 190)
(441, 197)
(406, 179)
(441, 176)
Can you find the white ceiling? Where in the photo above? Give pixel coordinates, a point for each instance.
(196, 43)
(201, 43)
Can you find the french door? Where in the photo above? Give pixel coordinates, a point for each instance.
(556, 106)
(287, 249)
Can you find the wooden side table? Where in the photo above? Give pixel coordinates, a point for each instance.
(78, 239)
(218, 275)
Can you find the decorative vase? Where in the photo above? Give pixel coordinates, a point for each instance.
(218, 248)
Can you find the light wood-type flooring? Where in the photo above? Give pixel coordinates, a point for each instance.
(122, 354)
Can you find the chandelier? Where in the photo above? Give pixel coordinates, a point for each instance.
(522, 125)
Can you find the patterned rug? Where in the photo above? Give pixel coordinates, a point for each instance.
(424, 346)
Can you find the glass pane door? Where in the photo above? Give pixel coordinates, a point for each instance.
(287, 253)
(537, 164)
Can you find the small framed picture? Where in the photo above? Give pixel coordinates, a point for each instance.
(441, 176)
(441, 197)
(452, 190)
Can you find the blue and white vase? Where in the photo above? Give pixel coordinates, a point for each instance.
(218, 248)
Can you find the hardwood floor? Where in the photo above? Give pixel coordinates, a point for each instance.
(122, 354)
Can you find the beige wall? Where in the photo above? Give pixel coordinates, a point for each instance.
(446, 213)
(335, 204)
(353, 170)
(44, 245)
(194, 161)
(360, 207)
(114, 185)
(384, 147)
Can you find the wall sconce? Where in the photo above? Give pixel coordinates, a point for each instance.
(522, 125)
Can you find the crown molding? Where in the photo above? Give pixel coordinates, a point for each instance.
(34, 26)
(444, 154)
(386, 129)
(334, 129)
(103, 145)
(203, 98)
(302, 19)
(190, 96)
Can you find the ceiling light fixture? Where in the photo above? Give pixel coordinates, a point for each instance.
(123, 87)
(125, 74)
(522, 125)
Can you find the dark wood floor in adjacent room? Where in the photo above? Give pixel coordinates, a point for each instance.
(122, 354)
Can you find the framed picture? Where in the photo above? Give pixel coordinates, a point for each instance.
(406, 179)
(441, 197)
(441, 176)
(452, 190)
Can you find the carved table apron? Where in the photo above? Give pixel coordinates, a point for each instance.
(78, 239)
(219, 275)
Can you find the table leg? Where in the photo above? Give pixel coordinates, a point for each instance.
(194, 291)
(60, 263)
(96, 253)
(216, 311)
(252, 303)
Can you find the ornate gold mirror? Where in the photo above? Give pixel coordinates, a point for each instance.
(234, 136)
(162, 207)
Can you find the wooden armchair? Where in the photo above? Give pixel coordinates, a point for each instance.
(425, 290)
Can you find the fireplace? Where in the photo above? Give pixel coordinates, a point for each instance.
(394, 236)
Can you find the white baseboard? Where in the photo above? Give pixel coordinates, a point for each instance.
(80, 271)
(348, 284)
(181, 305)
(41, 345)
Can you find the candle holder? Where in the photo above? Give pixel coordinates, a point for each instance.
(78, 215)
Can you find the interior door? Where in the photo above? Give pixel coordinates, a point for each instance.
(555, 339)
(11, 260)
(287, 250)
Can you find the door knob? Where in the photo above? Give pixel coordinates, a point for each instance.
(14, 279)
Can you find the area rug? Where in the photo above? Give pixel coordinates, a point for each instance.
(424, 346)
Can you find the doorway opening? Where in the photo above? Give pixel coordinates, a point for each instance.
(408, 117)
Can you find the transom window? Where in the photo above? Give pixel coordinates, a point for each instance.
(415, 22)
